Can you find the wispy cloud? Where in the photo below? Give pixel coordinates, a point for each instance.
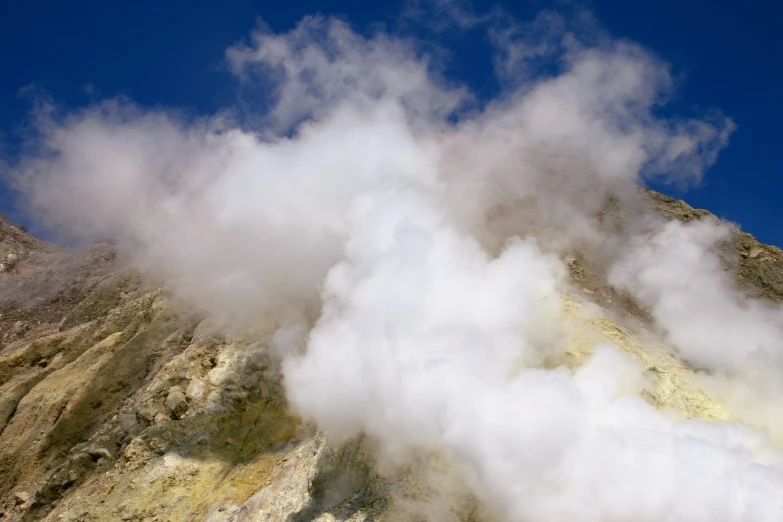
(422, 238)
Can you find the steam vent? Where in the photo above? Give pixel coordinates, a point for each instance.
(119, 405)
(421, 270)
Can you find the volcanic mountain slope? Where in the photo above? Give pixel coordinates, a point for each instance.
(117, 405)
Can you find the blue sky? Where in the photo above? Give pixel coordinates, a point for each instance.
(725, 56)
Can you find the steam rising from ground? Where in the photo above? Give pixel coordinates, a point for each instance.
(422, 237)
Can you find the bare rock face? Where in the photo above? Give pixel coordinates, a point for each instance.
(115, 405)
(43, 285)
(758, 268)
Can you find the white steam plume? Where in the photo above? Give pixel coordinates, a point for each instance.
(423, 238)
(716, 327)
(738, 340)
(424, 342)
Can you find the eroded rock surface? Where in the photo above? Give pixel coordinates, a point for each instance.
(117, 405)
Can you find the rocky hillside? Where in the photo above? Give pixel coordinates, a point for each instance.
(116, 405)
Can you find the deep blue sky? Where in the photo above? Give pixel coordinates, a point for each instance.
(728, 55)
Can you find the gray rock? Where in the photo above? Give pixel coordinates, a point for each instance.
(129, 423)
(221, 376)
(147, 414)
(176, 401)
(257, 361)
(98, 452)
(195, 390)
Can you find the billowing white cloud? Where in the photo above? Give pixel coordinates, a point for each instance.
(737, 340)
(408, 244)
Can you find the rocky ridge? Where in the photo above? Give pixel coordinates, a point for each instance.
(117, 405)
